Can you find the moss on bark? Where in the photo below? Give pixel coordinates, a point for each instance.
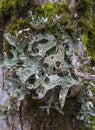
(35, 114)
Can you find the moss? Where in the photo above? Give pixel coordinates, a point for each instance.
(91, 49)
(62, 8)
(84, 39)
(17, 25)
(54, 121)
(86, 24)
(20, 8)
(48, 7)
(5, 12)
(9, 8)
(90, 43)
(48, 10)
(85, 18)
(20, 3)
(84, 7)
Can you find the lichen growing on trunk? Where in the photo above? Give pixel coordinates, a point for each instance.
(49, 64)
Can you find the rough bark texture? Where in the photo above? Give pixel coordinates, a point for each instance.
(32, 117)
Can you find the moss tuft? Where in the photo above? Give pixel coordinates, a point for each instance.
(9, 8)
(84, 39)
(84, 7)
(17, 25)
(5, 12)
(62, 8)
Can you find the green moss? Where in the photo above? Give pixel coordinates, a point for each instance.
(20, 8)
(17, 25)
(91, 48)
(48, 7)
(20, 3)
(85, 18)
(9, 8)
(85, 39)
(86, 24)
(48, 10)
(62, 8)
(5, 12)
(89, 42)
(84, 7)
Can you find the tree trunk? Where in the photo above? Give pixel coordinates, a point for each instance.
(31, 116)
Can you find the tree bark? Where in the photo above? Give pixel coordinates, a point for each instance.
(31, 116)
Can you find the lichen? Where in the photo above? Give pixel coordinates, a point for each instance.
(67, 24)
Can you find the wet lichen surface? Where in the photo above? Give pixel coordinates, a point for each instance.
(18, 9)
(35, 117)
(33, 111)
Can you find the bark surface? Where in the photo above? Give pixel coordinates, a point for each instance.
(32, 117)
